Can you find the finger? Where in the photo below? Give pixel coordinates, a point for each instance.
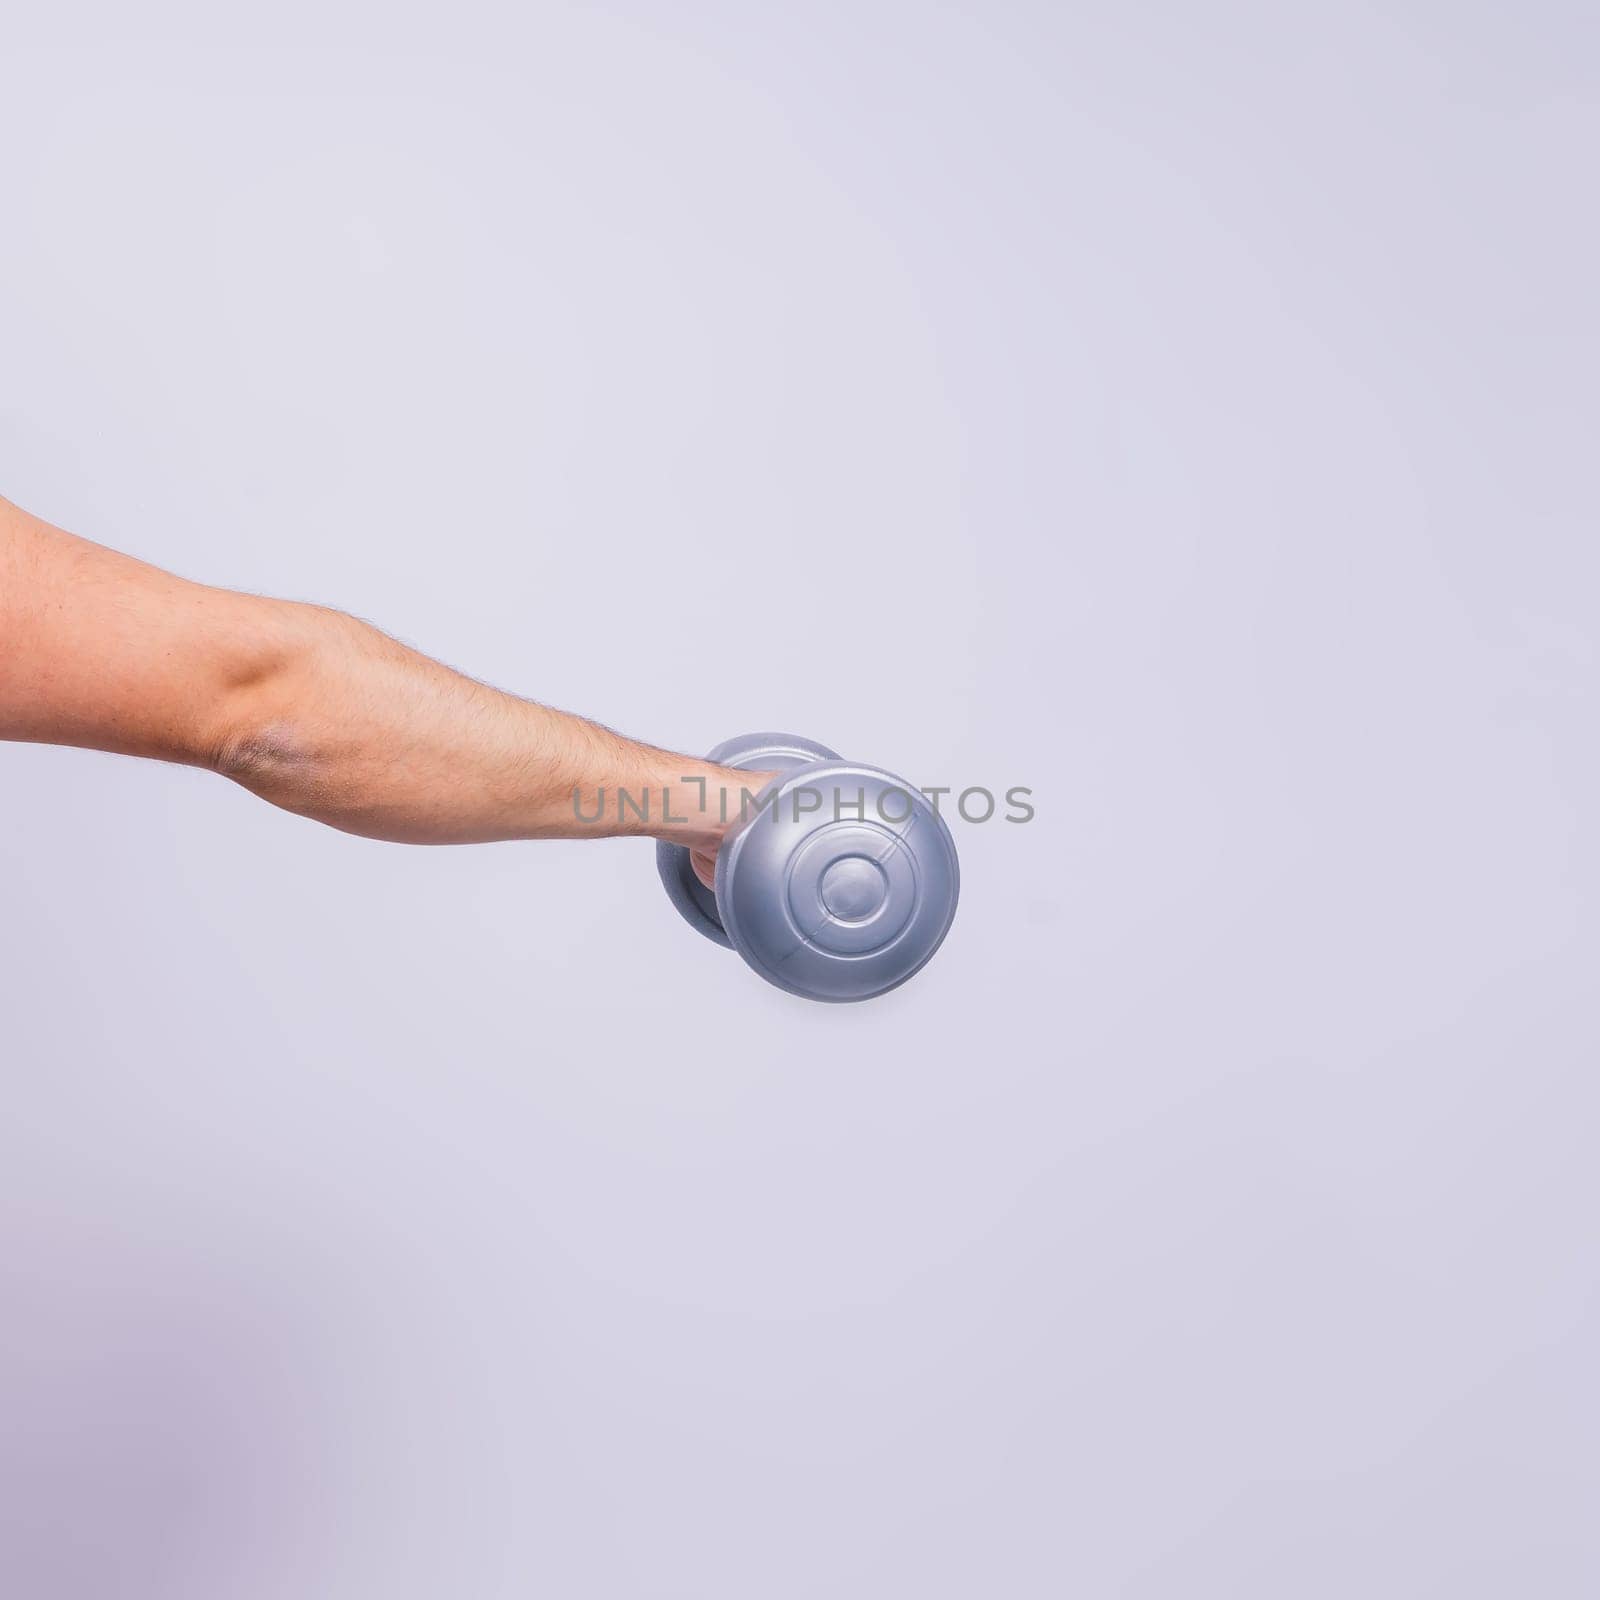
(705, 867)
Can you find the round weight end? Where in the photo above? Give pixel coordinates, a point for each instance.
(696, 903)
(842, 886)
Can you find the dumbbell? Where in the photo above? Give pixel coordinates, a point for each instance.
(837, 883)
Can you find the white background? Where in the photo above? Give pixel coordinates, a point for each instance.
(1186, 411)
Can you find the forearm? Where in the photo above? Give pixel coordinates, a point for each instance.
(349, 727)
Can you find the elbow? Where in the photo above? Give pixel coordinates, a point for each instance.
(255, 733)
(265, 755)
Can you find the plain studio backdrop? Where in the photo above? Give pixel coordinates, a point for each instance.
(1186, 412)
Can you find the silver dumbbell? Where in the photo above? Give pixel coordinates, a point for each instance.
(838, 883)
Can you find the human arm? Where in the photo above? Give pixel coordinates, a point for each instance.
(316, 711)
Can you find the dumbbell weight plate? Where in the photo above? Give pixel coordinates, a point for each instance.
(842, 886)
(751, 752)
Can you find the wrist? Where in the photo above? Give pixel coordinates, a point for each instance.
(658, 795)
(700, 803)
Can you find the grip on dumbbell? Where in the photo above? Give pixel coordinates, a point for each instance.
(839, 886)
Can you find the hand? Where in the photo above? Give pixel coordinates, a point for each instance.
(703, 857)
